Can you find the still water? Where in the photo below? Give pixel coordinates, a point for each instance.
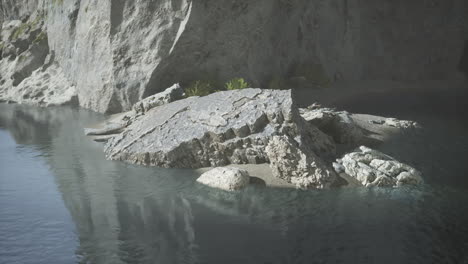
(62, 202)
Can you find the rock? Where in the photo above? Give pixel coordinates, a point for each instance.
(127, 57)
(228, 179)
(339, 125)
(102, 138)
(229, 127)
(373, 168)
(171, 94)
(393, 122)
(107, 129)
(298, 166)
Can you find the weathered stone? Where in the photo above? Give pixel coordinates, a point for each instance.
(228, 178)
(107, 129)
(141, 47)
(298, 166)
(230, 127)
(171, 94)
(339, 125)
(373, 168)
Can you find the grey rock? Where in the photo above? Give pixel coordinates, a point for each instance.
(298, 166)
(228, 178)
(169, 95)
(28, 72)
(107, 129)
(373, 168)
(338, 124)
(393, 122)
(139, 48)
(230, 127)
(102, 138)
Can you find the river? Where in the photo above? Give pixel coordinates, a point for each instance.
(61, 201)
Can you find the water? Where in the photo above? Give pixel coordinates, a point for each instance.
(62, 202)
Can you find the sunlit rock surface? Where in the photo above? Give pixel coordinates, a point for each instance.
(116, 53)
(231, 127)
(373, 168)
(228, 179)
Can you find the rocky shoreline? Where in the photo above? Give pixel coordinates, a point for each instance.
(255, 126)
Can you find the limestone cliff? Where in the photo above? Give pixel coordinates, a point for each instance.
(110, 54)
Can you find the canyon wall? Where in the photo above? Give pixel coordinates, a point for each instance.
(113, 53)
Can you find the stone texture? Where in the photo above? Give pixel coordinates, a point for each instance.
(228, 179)
(337, 124)
(298, 166)
(169, 95)
(29, 73)
(118, 52)
(230, 127)
(373, 168)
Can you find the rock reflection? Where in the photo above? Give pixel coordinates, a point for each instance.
(131, 214)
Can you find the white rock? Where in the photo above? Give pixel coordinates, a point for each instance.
(298, 166)
(373, 168)
(225, 178)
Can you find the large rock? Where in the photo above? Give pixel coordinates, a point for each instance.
(230, 127)
(118, 52)
(300, 166)
(28, 70)
(373, 168)
(171, 94)
(337, 124)
(228, 179)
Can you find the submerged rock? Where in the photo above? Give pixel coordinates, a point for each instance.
(393, 122)
(337, 124)
(171, 94)
(373, 168)
(229, 127)
(228, 179)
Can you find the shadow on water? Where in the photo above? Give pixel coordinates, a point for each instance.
(129, 214)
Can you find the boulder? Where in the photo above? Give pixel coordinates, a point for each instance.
(228, 127)
(228, 179)
(299, 166)
(373, 168)
(338, 124)
(171, 94)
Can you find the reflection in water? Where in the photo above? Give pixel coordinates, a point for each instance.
(128, 214)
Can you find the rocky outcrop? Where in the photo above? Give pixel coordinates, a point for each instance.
(338, 124)
(169, 95)
(373, 168)
(116, 53)
(29, 73)
(228, 179)
(393, 122)
(230, 127)
(299, 166)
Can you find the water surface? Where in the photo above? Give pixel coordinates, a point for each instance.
(62, 202)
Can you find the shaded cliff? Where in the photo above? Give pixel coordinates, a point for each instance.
(113, 53)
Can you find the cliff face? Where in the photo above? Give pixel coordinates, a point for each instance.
(113, 53)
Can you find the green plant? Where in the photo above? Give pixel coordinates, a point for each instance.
(314, 74)
(236, 84)
(278, 83)
(199, 88)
